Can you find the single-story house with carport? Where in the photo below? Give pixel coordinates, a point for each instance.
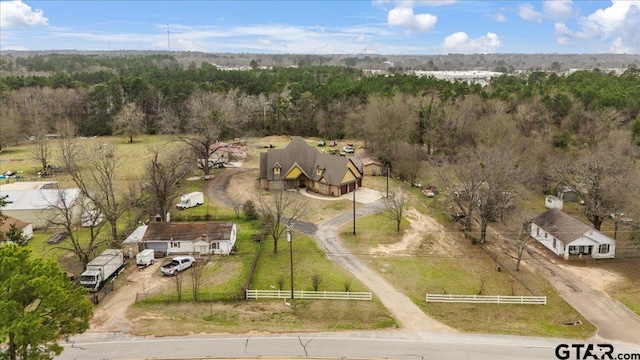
(301, 166)
(25, 228)
(565, 235)
(36, 206)
(193, 237)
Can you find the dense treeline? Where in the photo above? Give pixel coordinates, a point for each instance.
(325, 101)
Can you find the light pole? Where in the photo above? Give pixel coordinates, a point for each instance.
(354, 210)
(289, 227)
(387, 181)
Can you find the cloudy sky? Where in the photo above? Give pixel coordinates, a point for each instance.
(325, 27)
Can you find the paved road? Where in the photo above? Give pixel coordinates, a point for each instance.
(371, 345)
(408, 314)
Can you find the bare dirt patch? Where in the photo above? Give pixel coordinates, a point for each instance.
(425, 235)
(598, 278)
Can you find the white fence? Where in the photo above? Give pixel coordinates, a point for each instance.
(487, 299)
(301, 294)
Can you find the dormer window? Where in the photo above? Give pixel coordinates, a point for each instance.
(276, 170)
(319, 170)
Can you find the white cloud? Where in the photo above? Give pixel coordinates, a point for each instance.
(558, 9)
(404, 16)
(499, 18)
(528, 13)
(615, 28)
(461, 43)
(16, 14)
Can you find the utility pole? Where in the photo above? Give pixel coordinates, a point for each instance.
(387, 181)
(289, 238)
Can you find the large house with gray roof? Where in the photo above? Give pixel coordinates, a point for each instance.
(566, 235)
(300, 165)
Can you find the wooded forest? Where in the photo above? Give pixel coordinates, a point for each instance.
(581, 129)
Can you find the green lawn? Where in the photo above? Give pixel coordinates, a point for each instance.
(471, 272)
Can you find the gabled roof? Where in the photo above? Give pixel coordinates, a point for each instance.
(307, 158)
(562, 226)
(188, 231)
(366, 157)
(6, 226)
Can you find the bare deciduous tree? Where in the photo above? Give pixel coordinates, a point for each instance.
(93, 169)
(196, 278)
(236, 202)
(408, 161)
(279, 209)
(163, 172)
(599, 177)
(394, 206)
(200, 128)
(41, 147)
(66, 209)
(129, 121)
(461, 182)
(178, 278)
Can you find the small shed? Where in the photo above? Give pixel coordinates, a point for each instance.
(553, 202)
(25, 228)
(370, 166)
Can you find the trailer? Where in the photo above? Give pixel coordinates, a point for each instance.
(190, 200)
(145, 258)
(103, 268)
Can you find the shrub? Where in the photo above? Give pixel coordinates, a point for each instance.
(249, 210)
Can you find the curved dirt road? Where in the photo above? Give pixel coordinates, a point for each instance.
(409, 315)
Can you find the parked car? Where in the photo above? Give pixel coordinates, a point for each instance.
(417, 183)
(428, 193)
(333, 143)
(348, 149)
(177, 264)
(321, 143)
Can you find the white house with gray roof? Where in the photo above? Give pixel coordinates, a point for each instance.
(566, 236)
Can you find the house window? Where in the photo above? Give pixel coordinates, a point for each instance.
(545, 235)
(554, 243)
(215, 246)
(276, 170)
(603, 248)
(318, 171)
(175, 244)
(537, 231)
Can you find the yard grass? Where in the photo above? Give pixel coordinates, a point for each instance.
(224, 278)
(371, 231)
(274, 316)
(473, 272)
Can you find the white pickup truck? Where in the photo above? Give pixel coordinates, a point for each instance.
(178, 264)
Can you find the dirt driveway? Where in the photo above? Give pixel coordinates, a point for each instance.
(111, 314)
